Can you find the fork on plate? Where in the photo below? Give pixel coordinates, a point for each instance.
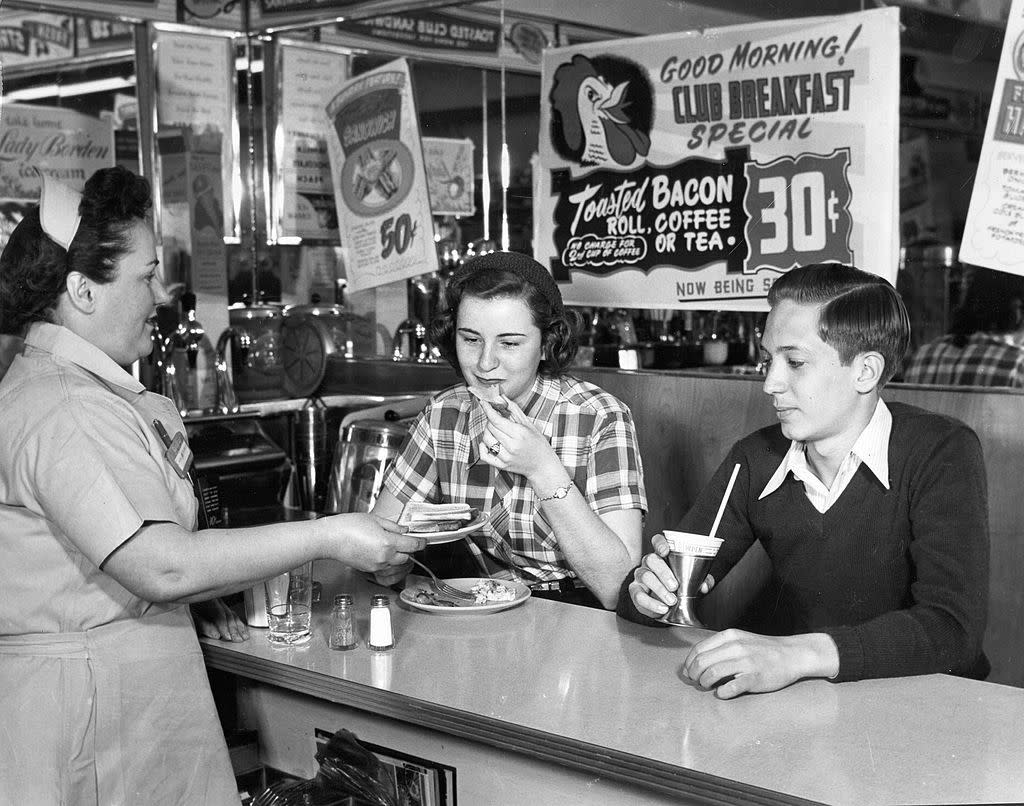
(443, 587)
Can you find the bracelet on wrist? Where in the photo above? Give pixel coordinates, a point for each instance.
(558, 493)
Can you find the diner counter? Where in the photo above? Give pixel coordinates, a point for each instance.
(583, 690)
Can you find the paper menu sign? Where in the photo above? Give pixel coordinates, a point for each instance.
(449, 165)
(195, 74)
(304, 195)
(690, 170)
(994, 231)
(380, 186)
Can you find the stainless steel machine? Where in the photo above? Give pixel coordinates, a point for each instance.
(364, 452)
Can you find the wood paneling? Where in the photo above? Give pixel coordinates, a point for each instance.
(687, 423)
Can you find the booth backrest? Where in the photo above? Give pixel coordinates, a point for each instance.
(687, 423)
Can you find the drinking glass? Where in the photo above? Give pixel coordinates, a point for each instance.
(290, 605)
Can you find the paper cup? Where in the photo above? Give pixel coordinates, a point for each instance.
(693, 544)
(689, 558)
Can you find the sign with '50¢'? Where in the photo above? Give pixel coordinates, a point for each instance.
(380, 186)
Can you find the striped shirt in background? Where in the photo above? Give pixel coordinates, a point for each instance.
(591, 431)
(987, 359)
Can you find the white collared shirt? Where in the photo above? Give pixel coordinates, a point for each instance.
(67, 345)
(871, 449)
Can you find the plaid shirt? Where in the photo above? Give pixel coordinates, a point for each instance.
(986, 359)
(591, 431)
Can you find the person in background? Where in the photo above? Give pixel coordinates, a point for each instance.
(985, 346)
(559, 471)
(874, 515)
(105, 695)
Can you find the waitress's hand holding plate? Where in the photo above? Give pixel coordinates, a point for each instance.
(368, 542)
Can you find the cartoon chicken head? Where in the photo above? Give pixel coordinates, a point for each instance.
(593, 112)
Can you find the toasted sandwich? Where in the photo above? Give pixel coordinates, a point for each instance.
(492, 395)
(420, 516)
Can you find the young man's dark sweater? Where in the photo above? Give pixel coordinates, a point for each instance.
(897, 577)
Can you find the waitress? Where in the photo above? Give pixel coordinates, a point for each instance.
(558, 468)
(105, 697)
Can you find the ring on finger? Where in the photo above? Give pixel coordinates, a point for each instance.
(494, 449)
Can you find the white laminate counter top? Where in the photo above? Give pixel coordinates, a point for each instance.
(586, 688)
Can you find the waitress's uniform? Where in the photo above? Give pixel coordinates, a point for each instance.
(104, 697)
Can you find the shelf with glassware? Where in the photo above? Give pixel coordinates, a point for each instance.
(671, 340)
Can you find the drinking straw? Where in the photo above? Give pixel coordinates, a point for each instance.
(725, 499)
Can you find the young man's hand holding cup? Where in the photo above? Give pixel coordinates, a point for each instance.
(678, 557)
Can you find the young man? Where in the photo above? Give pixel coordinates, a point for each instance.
(874, 516)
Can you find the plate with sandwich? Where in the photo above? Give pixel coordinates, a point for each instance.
(441, 523)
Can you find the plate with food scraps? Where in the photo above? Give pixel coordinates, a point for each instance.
(450, 535)
(492, 595)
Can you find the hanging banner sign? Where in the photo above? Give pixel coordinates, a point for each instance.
(380, 187)
(691, 170)
(96, 34)
(475, 36)
(449, 165)
(35, 37)
(429, 29)
(994, 232)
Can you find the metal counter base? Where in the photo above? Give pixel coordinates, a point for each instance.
(551, 703)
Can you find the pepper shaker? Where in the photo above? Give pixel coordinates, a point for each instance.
(381, 637)
(343, 628)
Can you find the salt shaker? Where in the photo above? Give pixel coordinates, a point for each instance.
(381, 637)
(343, 628)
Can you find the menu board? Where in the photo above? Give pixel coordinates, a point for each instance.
(380, 187)
(994, 232)
(691, 170)
(61, 143)
(195, 91)
(304, 195)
